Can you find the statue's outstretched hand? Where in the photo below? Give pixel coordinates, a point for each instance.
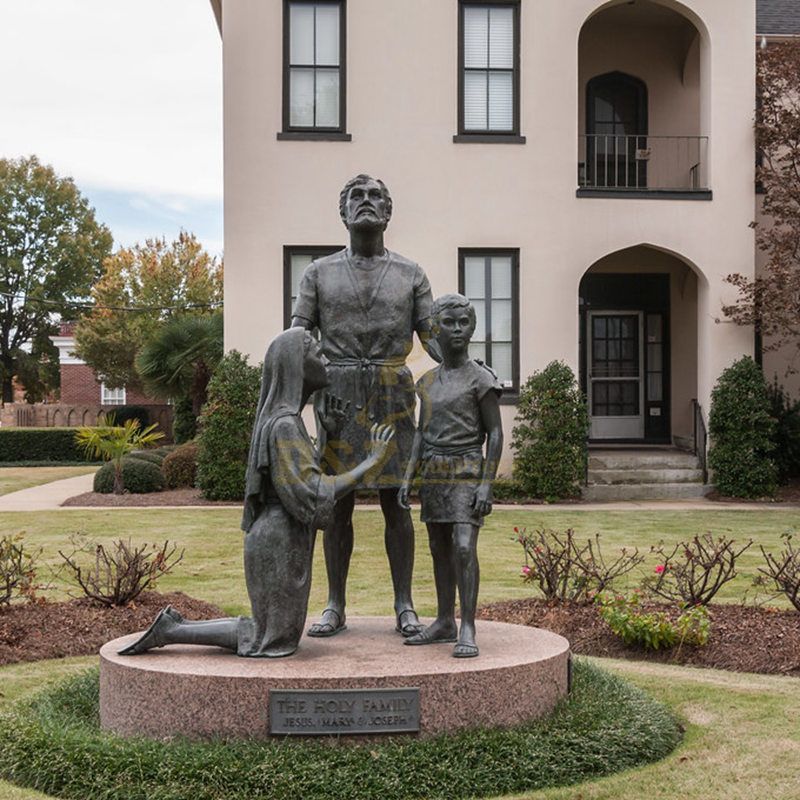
(380, 437)
(334, 414)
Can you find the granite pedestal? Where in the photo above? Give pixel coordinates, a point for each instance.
(206, 692)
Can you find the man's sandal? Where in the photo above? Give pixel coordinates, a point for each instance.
(331, 622)
(465, 651)
(426, 637)
(408, 628)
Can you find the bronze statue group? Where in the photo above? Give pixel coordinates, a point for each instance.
(367, 303)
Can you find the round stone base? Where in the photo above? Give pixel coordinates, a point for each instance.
(206, 692)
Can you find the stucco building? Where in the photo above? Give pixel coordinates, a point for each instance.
(583, 171)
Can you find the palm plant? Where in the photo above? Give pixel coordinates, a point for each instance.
(178, 360)
(113, 442)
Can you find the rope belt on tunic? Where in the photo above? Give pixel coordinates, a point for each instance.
(463, 450)
(366, 384)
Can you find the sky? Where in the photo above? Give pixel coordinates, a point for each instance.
(125, 97)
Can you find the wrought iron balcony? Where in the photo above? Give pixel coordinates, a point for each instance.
(643, 164)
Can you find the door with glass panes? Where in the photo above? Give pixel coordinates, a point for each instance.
(615, 373)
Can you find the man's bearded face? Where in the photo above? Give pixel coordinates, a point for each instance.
(366, 206)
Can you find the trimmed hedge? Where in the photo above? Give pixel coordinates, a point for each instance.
(742, 433)
(138, 477)
(549, 436)
(180, 466)
(53, 744)
(148, 455)
(40, 444)
(225, 427)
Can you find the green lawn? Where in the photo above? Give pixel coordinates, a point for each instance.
(212, 567)
(12, 479)
(742, 739)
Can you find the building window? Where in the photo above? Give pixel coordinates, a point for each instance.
(314, 66)
(112, 397)
(488, 74)
(295, 261)
(490, 280)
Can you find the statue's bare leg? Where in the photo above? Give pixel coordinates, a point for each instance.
(399, 541)
(338, 547)
(465, 549)
(443, 628)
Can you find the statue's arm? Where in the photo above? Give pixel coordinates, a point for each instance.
(411, 470)
(299, 322)
(490, 416)
(428, 341)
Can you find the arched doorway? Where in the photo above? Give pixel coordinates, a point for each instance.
(616, 130)
(638, 346)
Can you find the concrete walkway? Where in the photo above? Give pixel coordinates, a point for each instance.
(50, 496)
(47, 496)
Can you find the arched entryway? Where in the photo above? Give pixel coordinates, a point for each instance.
(638, 346)
(643, 113)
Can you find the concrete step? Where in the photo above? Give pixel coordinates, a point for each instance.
(642, 459)
(645, 491)
(646, 476)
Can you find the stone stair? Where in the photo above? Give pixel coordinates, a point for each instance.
(643, 474)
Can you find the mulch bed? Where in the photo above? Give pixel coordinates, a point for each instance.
(35, 631)
(743, 638)
(169, 497)
(785, 494)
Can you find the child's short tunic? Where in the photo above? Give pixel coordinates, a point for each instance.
(452, 440)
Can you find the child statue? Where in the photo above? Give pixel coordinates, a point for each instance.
(459, 412)
(287, 499)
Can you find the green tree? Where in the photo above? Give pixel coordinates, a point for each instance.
(113, 442)
(51, 252)
(178, 359)
(158, 279)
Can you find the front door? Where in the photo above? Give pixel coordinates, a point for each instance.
(614, 359)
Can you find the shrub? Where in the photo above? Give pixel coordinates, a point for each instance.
(118, 575)
(565, 571)
(121, 414)
(40, 444)
(507, 489)
(549, 438)
(138, 477)
(784, 570)
(148, 455)
(786, 413)
(652, 630)
(184, 422)
(742, 433)
(694, 571)
(180, 466)
(225, 427)
(113, 442)
(17, 569)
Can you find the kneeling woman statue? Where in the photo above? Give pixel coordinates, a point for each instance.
(287, 499)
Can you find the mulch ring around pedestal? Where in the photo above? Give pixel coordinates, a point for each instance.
(743, 638)
(36, 631)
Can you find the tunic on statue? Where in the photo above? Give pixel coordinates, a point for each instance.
(367, 320)
(279, 547)
(287, 499)
(452, 440)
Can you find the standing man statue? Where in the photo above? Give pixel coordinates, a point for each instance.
(367, 302)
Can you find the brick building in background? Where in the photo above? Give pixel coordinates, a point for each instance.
(83, 396)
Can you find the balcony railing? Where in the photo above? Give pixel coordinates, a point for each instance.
(642, 163)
